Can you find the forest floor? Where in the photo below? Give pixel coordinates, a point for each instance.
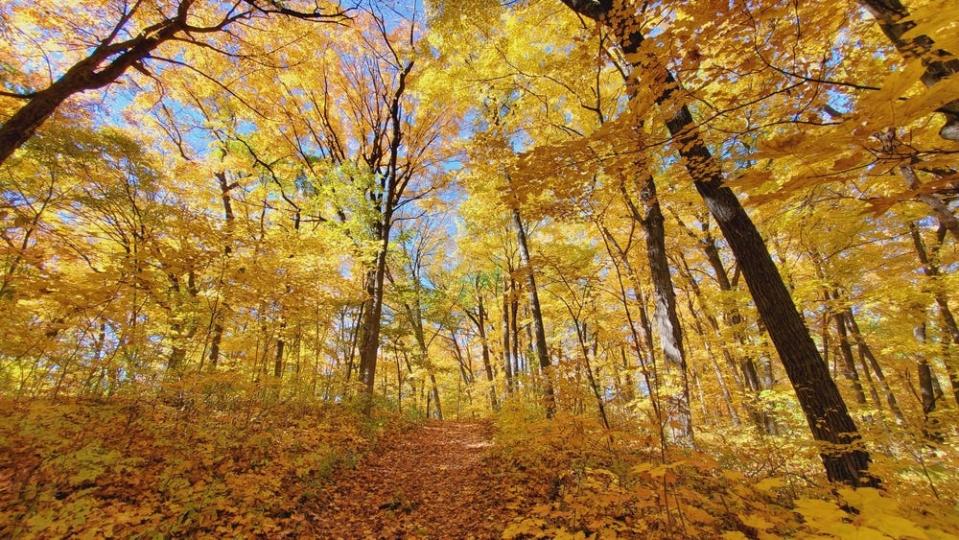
(433, 481)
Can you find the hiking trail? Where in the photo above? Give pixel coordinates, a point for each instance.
(433, 481)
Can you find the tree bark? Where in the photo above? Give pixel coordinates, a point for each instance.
(507, 356)
(223, 308)
(487, 362)
(865, 351)
(278, 358)
(539, 329)
(664, 301)
(894, 21)
(848, 362)
(930, 268)
(369, 338)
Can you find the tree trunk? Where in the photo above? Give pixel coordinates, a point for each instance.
(664, 301)
(82, 76)
(894, 21)
(278, 359)
(717, 371)
(950, 339)
(539, 330)
(746, 366)
(369, 338)
(487, 362)
(591, 379)
(848, 362)
(866, 353)
(825, 411)
(514, 324)
(507, 356)
(224, 306)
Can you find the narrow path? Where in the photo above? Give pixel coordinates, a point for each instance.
(431, 482)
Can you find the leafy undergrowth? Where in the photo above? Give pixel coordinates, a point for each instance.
(621, 487)
(194, 463)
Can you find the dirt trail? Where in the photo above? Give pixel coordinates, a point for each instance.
(430, 482)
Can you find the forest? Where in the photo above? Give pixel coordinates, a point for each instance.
(575, 269)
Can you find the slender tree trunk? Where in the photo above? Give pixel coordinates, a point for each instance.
(927, 390)
(507, 356)
(224, 306)
(950, 339)
(594, 386)
(436, 395)
(467, 377)
(539, 330)
(664, 300)
(514, 324)
(760, 418)
(866, 353)
(717, 371)
(353, 337)
(181, 331)
(746, 366)
(848, 362)
(487, 362)
(278, 358)
(649, 375)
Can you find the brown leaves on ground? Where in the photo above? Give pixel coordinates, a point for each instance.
(435, 481)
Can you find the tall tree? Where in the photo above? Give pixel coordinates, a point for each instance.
(134, 31)
(825, 411)
(539, 327)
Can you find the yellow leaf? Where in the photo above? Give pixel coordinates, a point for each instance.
(770, 484)
(756, 522)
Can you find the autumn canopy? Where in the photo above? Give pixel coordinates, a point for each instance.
(479, 268)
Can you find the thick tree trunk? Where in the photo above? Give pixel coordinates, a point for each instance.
(825, 411)
(824, 408)
(894, 21)
(539, 329)
(369, 338)
(82, 76)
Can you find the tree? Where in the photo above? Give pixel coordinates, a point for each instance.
(824, 407)
(151, 25)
